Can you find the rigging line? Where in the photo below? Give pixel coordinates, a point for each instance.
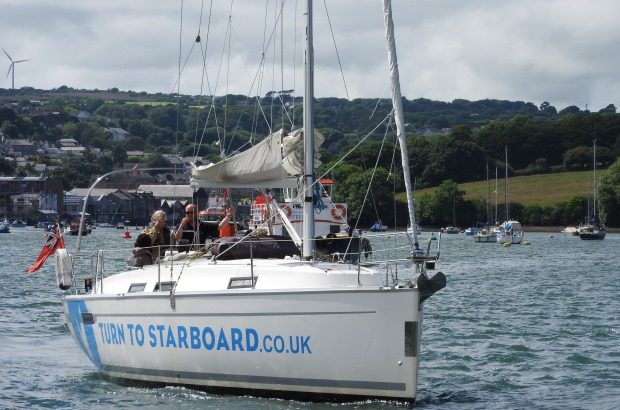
(181, 70)
(258, 82)
(217, 81)
(241, 113)
(394, 206)
(204, 77)
(254, 116)
(369, 187)
(197, 40)
(372, 114)
(226, 51)
(176, 136)
(258, 76)
(300, 194)
(284, 110)
(212, 91)
(254, 128)
(329, 21)
(282, 62)
(388, 127)
(273, 71)
(227, 84)
(394, 138)
(294, 63)
(339, 161)
(178, 83)
(270, 40)
(261, 67)
(267, 41)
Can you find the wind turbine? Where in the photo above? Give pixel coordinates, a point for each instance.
(12, 68)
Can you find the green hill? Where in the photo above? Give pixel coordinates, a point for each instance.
(544, 190)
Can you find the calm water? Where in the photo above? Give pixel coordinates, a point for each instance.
(521, 327)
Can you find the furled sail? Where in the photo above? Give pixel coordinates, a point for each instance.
(275, 162)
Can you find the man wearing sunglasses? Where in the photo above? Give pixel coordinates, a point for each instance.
(186, 232)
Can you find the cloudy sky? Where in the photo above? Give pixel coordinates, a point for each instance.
(561, 51)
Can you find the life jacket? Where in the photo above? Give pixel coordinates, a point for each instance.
(227, 230)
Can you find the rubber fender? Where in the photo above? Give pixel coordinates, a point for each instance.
(427, 287)
(64, 269)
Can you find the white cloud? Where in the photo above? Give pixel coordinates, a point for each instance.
(560, 51)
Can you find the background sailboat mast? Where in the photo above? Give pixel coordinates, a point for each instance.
(506, 185)
(308, 220)
(594, 182)
(496, 220)
(488, 197)
(397, 103)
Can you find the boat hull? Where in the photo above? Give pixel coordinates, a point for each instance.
(510, 232)
(592, 232)
(308, 342)
(485, 238)
(513, 239)
(592, 236)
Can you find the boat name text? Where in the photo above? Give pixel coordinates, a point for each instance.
(207, 338)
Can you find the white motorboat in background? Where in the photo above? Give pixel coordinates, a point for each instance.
(571, 231)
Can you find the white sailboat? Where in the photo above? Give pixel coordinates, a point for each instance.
(289, 326)
(510, 231)
(486, 234)
(593, 228)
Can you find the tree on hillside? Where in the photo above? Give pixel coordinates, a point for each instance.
(133, 144)
(167, 117)
(609, 195)
(573, 109)
(580, 158)
(76, 172)
(6, 168)
(439, 208)
(460, 160)
(9, 129)
(157, 161)
(609, 108)
(119, 155)
(7, 114)
(379, 204)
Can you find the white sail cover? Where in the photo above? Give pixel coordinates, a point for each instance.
(275, 162)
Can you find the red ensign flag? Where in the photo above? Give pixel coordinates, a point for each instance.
(54, 241)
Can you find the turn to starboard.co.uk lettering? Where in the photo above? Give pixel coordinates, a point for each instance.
(207, 338)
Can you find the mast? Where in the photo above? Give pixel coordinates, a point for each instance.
(397, 103)
(308, 181)
(594, 183)
(488, 195)
(496, 221)
(506, 185)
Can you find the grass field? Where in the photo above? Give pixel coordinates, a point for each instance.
(546, 189)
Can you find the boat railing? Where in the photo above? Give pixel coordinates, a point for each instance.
(397, 253)
(390, 251)
(97, 262)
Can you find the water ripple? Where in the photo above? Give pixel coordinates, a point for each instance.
(520, 327)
